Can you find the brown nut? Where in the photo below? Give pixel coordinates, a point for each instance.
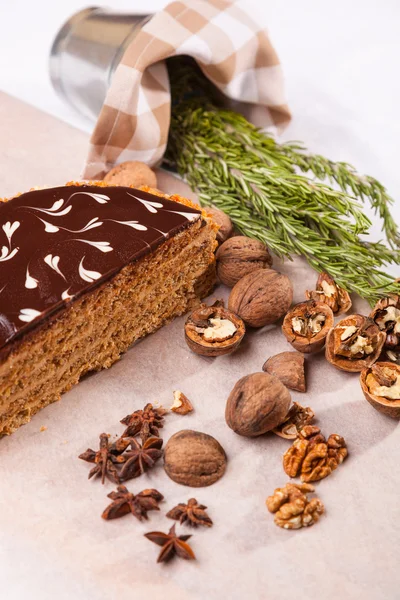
(296, 420)
(132, 173)
(381, 386)
(225, 224)
(288, 367)
(386, 314)
(307, 324)
(327, 291)
(213, 331)
(354, 343)
(239, 256)
(194, 458)
(181, 404)
(258, 403)
(261, 297)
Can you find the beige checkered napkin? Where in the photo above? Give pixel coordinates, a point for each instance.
(230, 48)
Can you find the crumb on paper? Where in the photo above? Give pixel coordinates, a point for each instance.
(43, 428)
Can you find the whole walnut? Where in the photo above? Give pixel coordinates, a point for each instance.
(239, 256)
(258, 403)
(225, 224)
(261, 297)
(194, 458)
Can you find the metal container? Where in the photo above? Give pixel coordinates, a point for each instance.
(86, 52)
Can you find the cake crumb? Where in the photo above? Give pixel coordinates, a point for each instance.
(43, 428)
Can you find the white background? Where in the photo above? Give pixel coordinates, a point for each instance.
(341, 61)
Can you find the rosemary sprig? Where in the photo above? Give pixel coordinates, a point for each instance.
(246, 173)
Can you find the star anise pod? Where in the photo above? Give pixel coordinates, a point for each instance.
(140, 457)
(146, 422)
(106, 459)
(171, 544)
(123, 502)
(192, 513)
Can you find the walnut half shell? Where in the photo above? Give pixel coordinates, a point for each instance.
(354, 343)
(381, 386)
(213, 331)
(386, 315)
(306, 326)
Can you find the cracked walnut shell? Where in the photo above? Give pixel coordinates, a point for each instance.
(258, 403)
(213, 330)
(381, 386)
(354, 343)
(292, 507)
(386, 315)
(261, 297)
(306, 326)
(312, 457)
(296, 419)
(239, 256)
(194, 458)
(327, 291)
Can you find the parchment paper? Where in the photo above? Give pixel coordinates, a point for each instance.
(53, 543)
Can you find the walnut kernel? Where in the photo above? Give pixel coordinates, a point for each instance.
(181, 404)
(381, 386)
(213, 330)
(292, 508)
(307, 324)
(327, 291)
(354, 343)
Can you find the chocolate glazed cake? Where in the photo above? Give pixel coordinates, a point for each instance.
(85, 270)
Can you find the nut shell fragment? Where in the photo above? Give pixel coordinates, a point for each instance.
(288, 367)
(194, 458)
(181, 404)
(261, 297)
(374, 380)
(238, 256)
(354, 343)
(297, 418)
(327, 291)
(213, 331)
(258, 403)
(306, 326)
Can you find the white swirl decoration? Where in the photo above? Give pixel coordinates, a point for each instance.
(56, 210)
(50, 228)
(102, 246)
(9, 229)
(134, 224)
(150, 205)
(87, 275)
(100, 198)
(30, 282)
(28, 314)
(53, 262)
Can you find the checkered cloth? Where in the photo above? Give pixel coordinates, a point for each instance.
(230, 48)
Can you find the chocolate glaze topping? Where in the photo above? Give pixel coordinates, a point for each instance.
(59, 243)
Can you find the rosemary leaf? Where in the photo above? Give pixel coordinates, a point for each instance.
(278, 193)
